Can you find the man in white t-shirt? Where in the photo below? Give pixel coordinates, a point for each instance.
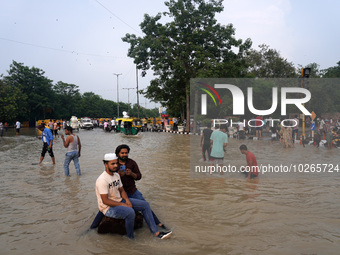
(113, 124)
(113, 201)
(17, 127)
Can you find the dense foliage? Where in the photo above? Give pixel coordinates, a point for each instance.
(191, 44)
(27, 95)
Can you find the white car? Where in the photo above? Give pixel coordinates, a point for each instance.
(86, 123)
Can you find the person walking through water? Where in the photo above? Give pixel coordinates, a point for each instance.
(47, 139)
(1, 128)
(218, 141)
(205, 141)
(73, 145)
(17, 127)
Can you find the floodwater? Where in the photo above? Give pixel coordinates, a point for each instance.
(43, 212)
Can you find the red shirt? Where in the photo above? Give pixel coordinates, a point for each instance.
(258, 122)
(250, 157)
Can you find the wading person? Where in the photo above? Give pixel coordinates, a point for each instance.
(114, 202)
(55, 129)
(205, 141)
(295, 132)
(47, 139)
(251, 171)
(258, 128)
(73, 145)
(17, 127)
(1, 128)
(218, 143)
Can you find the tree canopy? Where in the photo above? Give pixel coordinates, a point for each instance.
(27, 95)
(268, 63)
(191, 45)
(332, 72)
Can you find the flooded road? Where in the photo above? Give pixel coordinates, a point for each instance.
(43, 212)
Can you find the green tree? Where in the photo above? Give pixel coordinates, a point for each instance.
(315, 71)
(143, 112)
(90, 105)
(192, 45)
(268, 63)
(67, 100)
(11, 102)
(36, 87)
(93, 106)
(325, 96)
(332, 72)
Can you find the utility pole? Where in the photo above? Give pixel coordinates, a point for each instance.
(137, 93)
(117, 74)
(129, 93)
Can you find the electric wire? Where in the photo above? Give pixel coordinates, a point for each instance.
(117, 16)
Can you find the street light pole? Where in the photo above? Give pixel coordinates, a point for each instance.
(129, 94)
(137, 92)
(117, 74)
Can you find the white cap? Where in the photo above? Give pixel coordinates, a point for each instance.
(110, 156)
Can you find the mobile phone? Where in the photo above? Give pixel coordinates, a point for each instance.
(123, 168)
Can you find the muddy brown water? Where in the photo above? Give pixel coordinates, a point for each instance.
(43, 212)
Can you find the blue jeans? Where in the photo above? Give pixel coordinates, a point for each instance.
(73, 155)
(138, 195)
(127, 213)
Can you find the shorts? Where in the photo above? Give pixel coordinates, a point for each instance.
(18, 130)
(274, 137)
(258, 128)
(46, 149)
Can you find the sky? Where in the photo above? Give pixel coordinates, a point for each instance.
(79, 41)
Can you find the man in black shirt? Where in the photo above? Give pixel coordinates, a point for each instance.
(205, 141)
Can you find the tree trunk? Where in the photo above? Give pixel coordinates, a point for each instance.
(187, 127)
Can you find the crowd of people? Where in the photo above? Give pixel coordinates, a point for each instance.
(214, 142)
(319, 130)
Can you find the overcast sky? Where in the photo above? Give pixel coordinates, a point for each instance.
(79, 41)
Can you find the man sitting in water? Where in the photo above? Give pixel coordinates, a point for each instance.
(251, 171)
(113, 201)
(129, 173)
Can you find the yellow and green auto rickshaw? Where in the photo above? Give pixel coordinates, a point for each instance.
(128, 126)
